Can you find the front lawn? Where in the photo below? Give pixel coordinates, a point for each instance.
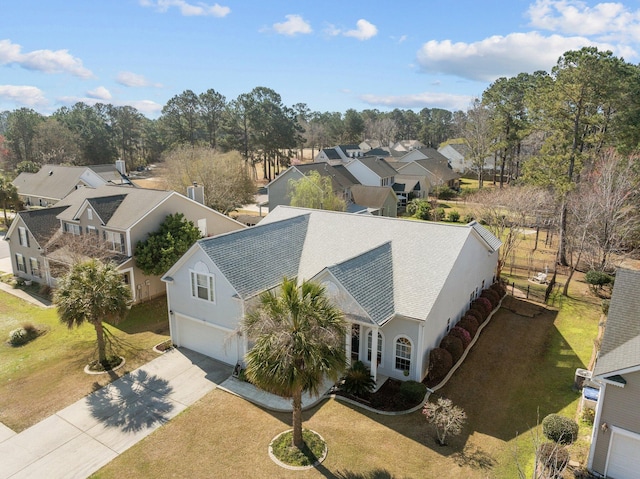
(46, 374)
(523, 363)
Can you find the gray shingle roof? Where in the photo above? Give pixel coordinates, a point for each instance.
(106, 206)
(256, 259)
(370, 196)
(378, 165)
(52, 181)
(331, 153)
(440, 170)
(42, 224)
(340, 181)
(621, 342)
(369, 279)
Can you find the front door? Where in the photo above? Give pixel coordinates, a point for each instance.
(355, 342)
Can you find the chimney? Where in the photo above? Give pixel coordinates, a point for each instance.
(196, 193)
(121, 167)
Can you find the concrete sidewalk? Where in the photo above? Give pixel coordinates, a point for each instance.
(83, 437)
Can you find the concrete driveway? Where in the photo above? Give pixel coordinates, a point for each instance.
(83, 437)
(5, 257)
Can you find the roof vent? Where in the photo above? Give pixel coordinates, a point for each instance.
(50, 172)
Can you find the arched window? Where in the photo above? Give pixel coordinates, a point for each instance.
(403, 354)
(380, 346)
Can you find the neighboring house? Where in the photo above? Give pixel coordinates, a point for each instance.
(380, 200)
(615, 444)
(431, 173)
(107, 222)
(339, 154)
(458, 156)
(423, 153)
(407, 145)
(372, 171)
(401, 284)
(53, 182)
(369, 199)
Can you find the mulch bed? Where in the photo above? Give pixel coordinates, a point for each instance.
(387, 398)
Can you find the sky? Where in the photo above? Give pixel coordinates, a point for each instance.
(331, 55)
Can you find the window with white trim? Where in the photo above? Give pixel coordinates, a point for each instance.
(72, 228)
(202, 286)
(114, 241)
(89, 214)
(370, 343)
(21, 263)
(34, 264)
(403, 354)
(23, 236)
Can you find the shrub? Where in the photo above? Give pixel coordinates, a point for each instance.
(588, 416)
(470, 324)
(499, 288)
(492, 296)
(476, 313)
(440, 363)
(18, 337)
(453, 216)
(444, 193)
(597, 280)
(358, 380)
(453, 344)
(560, 429)
(605, 306)
(462, 334)
(412, 392)
(485, 304)
(553, 458)
(439, 214)
(468, 218)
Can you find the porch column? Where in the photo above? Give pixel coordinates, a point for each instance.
(374, 354)
(348, 343)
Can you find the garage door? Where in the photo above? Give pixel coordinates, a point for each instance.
(204, 338)
(624, 456)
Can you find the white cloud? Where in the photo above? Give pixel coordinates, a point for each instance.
(292, 26)
(100, 93)
(364, 30)
(47, 61)
(188, 9)
(420, 100)
(573, 17)
(498, 56)
(23, 95)
(131, 79)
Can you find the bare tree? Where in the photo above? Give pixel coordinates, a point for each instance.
(508, 212)
(477, 135)
(447, 418)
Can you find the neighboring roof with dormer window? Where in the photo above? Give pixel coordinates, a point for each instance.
(42, 224)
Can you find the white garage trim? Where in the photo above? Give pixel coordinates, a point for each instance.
(206, 323)
(618, 434)
(216, 341)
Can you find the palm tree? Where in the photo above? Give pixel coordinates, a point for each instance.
(93, 292)
(299, 340)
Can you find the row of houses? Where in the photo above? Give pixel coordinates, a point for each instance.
(371, 183)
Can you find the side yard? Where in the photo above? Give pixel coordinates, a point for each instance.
(46, 374)
(521, 366)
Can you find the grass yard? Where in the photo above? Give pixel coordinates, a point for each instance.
(524, 362)
(45, 375)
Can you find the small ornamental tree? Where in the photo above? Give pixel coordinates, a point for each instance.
(358, 380)
(560, 429)
(446, 418)
(164, 247)
(597, 280)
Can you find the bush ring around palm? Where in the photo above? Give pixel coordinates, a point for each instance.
(280, 463)
(88, 370)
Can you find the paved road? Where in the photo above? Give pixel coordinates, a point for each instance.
(5, 260)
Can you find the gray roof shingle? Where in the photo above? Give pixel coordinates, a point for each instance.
(378, 165)
(620, 347)
(368, 277)
(43, 224)
(106, 206)
(256, 259)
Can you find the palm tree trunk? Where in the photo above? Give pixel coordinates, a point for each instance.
(297, 419)
(102, 349)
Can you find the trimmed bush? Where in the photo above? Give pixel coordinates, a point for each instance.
(18, 337)
(499, 288)
(468, 218)
(463, 334)
(453, 216)
(492, 296)
(597, 280)
(560, 429)
(440, 363)
(412, 392)
(553, 457)
(476, 313)
(485, 304)
(453, 344)
(470, 324)
(444, 193)
(358, 380)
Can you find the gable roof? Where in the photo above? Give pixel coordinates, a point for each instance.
(378, 165)
(620, 347)
(315, 240)
(43, 224)
(369, 280)
(252, 259)
(438, 171)
(339, 179)
(54, 181)
(122, 214)
(331, 153)
(110, 173)
(370, 196)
